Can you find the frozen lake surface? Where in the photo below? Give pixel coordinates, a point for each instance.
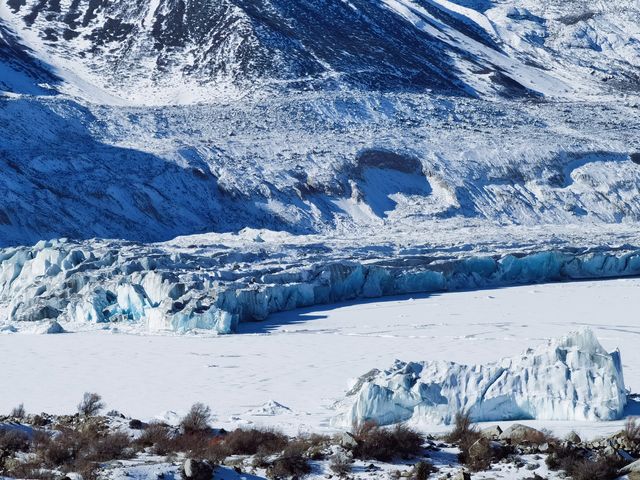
(304, 360)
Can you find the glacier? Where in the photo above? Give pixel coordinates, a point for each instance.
(571, 378)
(183, 166)
(173, 288)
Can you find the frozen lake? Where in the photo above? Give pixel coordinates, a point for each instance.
(305, 359)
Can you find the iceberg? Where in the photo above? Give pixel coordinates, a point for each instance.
(571, 378)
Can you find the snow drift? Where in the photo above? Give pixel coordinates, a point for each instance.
(572, 378)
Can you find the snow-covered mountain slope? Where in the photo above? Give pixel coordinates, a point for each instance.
(571, 378)
(21, 72)
(312, 163)
(156, 51)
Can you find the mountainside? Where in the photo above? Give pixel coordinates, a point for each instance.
(185, 50)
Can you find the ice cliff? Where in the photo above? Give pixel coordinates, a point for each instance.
(571, 378)
(166, 287)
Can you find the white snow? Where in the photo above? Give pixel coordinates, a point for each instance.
(307, 359)
(572, 378)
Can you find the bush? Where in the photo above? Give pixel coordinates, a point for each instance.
(340, 465)
(109, 447)
(252, 441)
(385, 444)
(12, 440)
(422, 470)
(291, 464)
(197, 420)
(59, 450)
(157, 436)
(18, 412)
(462, 427)
(632, 430)
(465, 435)
(578, 467)
(90, 405)
(599, 469)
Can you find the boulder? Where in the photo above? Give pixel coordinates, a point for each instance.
(197, 470)
(461, 475)
(53, 328)
(631, 468)
(347, 441)
(492, 432)
(480, 448)
(573, 437)
(518, 433)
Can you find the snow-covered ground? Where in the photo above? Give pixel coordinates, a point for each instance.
(289, 371)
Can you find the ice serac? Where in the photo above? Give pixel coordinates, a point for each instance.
(216, 286)
(572, 378)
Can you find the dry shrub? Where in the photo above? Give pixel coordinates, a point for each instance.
(314, 445)
(197, 420)
(252, 441)
(579, 467)
(29, 469)
(18, 412)
(598, 469)
(290, 464)
(90, 405)
(632, 430)
(385, 444)
(159, 437)
(81, 450)
(422, 470)
(111, 446)
(465, 435)
(13, 440)
(340, 465)
(462, 427)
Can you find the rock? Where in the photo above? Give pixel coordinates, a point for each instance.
(492, 432)
(518, 432)
(136, 424)
(347, 441)
(461, 475)
(53, 328)
(544, 448)
(72, 476)
(573, 437)
(610, 451)
(631, 468)
(480, 448)
(197, 470)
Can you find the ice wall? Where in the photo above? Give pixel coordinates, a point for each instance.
(161, 289)
(572, 378)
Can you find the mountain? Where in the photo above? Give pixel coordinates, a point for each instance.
(147, 119)
(158, 51)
